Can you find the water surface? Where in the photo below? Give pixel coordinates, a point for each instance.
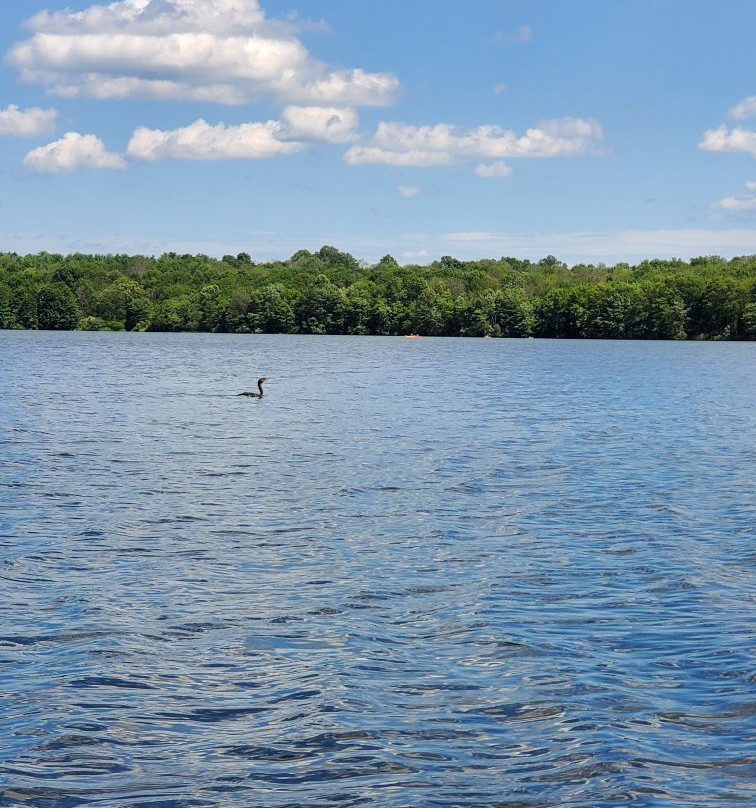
(436, 572)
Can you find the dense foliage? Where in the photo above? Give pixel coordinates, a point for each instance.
(331, 292)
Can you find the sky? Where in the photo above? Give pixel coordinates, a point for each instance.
(592, 130)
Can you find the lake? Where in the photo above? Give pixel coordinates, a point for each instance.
(431, 572)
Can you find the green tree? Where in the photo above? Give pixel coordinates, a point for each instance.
(479, 318)
(332, 257)
(609, 311)
(513, 313)
(749, 321)
(125, 302)
(320, 310)
(26, 310)
(56, 308)
(556, 313)
(179, 313)
(7, 315)
(211, 306)
(664, 313)
(275, 313)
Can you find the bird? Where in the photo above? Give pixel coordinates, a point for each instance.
(260, 383)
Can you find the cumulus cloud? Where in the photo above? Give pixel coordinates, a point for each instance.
(738, 203)
(724, 139)
(224, 51)
(29, 122)
(405, 145)
(332, 124)
(745, 109)
(498, 169)
(201, 141)
(71, 152)
(743, 202)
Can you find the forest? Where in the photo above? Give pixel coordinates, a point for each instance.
(332, 292)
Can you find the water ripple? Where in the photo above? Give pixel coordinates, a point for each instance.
(534, 589)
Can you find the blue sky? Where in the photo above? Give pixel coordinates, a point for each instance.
(594, 130)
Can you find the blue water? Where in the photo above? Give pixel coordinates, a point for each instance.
(437, 572)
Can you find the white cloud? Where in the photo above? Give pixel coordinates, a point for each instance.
(741, 203)
(625, 245)
(500, 88)
(361, 155)
(498, 169)
(745, 109)
(331, 124)
(201, 141)
(523, 34)
(405, 145)
(211, 50)
(95, 85)
(738, 203)
(71, 152)
(408, 191)
(723, 139)
(29, 122)
(415, 247)
(416, 255)
(156, 16)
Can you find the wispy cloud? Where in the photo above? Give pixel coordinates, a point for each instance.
(73, 151)
(624, 245)
(29, 122)
(222, 51)
(744, 109)
(523, 34)
(408, 191)
(498, 169)
(406, 145)
(573, 248)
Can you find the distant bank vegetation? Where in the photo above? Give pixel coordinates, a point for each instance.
(331, 292)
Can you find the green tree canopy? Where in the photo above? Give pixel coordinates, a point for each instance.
(56, 308)
(331, 292)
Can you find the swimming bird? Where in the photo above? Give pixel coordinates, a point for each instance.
(260, 383)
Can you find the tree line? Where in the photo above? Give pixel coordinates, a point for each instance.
(331, 292)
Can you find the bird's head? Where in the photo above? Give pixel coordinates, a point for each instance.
(262, 379)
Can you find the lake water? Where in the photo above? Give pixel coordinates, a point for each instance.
(435, 572)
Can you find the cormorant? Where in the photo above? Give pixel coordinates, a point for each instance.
(260, 383)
